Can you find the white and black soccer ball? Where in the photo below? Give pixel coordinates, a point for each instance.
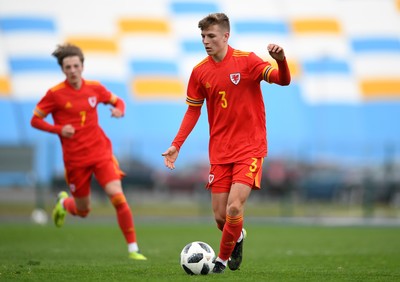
(197, 258)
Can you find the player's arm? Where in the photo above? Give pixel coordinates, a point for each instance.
(40, 123)
(43, 108)
(281, 75)
(118, 106)
(188, 123)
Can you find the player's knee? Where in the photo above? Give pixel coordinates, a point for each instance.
(83, 213)
(234, 210)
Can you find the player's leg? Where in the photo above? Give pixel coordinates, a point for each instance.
(220, 180)
(234, 222)
(78, 181)
(124, 216)
(235, 260)
(82, 206)
(109, 175)
(219, 201)
(248, 173)
(59, 212)
(219, 183)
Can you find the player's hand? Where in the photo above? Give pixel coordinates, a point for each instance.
(276, 52)
(67, 131)
(170, 156)
(115, 112)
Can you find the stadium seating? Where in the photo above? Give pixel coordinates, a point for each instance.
(344, 94)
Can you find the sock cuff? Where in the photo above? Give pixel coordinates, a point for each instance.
(118, 199)
(233, 220)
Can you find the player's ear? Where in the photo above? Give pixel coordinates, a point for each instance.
(226, 36)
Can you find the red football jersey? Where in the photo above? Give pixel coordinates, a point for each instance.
(235, 106)
(67, 105)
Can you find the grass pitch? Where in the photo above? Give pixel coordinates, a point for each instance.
(90, 251)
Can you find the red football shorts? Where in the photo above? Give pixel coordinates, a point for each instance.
(247, 172)
(79, 178)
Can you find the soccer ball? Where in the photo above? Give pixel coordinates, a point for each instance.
(39, 216)
(197, 258)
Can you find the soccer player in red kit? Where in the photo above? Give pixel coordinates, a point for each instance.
(229, 81)
(86, 149)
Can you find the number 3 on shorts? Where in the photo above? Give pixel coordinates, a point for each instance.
(253, 166)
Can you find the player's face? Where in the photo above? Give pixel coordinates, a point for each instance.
(72, 68)
(215, 40)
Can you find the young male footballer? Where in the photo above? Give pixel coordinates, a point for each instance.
(228, 81)
(87, 151)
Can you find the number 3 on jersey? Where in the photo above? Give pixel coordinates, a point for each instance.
(224, 102)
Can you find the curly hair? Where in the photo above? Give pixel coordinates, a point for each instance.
(67, 50)
(215, 19)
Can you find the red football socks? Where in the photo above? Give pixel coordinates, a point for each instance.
(124, 216)
(69, 205)
(230, 234)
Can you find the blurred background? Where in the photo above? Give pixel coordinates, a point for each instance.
(334, 137)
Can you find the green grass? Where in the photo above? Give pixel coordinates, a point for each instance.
(87, 251)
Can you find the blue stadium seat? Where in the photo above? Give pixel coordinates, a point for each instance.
(12, 123)
(261, 27)
(326, 66)
(154, 67)
(199, 7)
(33, 64)
(376, 44)
(33, 23)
